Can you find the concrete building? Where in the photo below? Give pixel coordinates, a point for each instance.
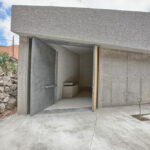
(105, 52)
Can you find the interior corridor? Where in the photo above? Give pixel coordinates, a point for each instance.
(81, 101)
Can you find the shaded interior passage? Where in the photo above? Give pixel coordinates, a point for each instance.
(74, 76)
(82, 100)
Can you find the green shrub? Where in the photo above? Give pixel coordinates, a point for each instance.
(6, 65)
(12, 67)
(4, 59)
(139, 100)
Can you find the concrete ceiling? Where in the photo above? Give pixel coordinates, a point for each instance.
(77, 48)
(80, 50)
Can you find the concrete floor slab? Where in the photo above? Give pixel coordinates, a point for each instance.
(106, 129)
(83, 99)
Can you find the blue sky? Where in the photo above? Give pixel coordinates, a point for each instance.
(2, 38)
(5, 10)
(4, 13)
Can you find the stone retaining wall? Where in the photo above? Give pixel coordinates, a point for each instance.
(8, 92)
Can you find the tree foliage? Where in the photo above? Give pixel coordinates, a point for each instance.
(7, 65)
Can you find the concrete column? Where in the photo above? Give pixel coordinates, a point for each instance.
(100, 78)
(23, 75)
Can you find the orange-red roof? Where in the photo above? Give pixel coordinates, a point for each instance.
(9, 50)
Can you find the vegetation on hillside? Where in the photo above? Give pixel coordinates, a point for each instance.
(9, 65)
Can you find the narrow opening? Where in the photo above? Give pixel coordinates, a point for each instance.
(74, 77)
(61, 77)
(29, 74)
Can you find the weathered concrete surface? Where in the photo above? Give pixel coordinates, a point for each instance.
(23, 75)
(109, 27)
(106, 129)
(116, 129)
(86, 70)
(67, 68)
(43, 75)
(124, 77)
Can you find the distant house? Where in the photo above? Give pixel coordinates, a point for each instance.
(9, 50)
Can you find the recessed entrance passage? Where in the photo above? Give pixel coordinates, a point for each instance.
(63, 76)
(80, 102)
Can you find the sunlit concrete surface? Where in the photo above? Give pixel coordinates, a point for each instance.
(106, 129)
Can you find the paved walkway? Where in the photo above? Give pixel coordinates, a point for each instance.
(106, 129)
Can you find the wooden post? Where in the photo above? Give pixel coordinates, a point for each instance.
(95, 78)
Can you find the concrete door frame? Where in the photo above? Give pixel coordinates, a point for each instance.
(24, 70)
(95, 77)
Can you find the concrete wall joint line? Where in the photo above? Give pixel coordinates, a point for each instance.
(94, 128)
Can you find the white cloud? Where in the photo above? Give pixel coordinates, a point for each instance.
(5, 26)
(132, 5)
(71, 3)
(2, 11)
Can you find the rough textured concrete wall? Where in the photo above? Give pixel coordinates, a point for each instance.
(120, 28)
(124, 77)
(68, 68)
(23, 75)
(86, 70)
(42, 75)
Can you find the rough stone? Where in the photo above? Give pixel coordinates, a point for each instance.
(14, 76)
(2, 107)
(1, 89)
(8, 92)
(13, 87)
(13, 59)
(6, 99)
(2, 96)
(11, 103)
(13, 93)
(1, 82)
(7, 89)
(7, 83)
